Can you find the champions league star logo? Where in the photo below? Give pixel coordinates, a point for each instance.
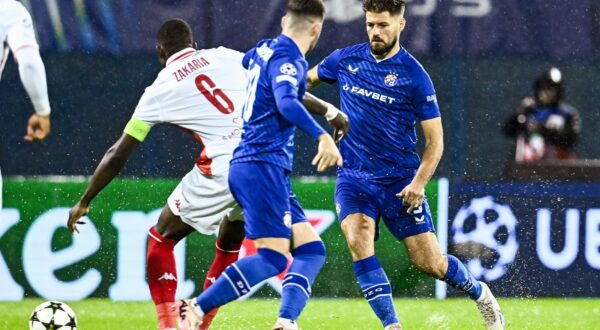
(319, 219)
(485, 233)
(391, 79)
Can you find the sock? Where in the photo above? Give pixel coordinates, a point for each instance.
(376, 288)
(240, 276)
(162, 277)
(458, 277)
(225, 255)
(308, 261)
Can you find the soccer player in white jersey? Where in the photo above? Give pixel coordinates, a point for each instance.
(201, 91)
(17, 35)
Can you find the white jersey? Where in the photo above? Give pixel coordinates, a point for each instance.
(16, 29)
(201, 91)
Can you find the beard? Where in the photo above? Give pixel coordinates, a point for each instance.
(381, 49)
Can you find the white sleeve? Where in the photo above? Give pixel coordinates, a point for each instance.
(33, 77)
(21, 40)
(148, 109)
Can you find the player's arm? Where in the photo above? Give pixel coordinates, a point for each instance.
(427, 112)
(413, 194)
(285, 90)
(326, 71)
(312, 78)
(337, 119)
(21, 40)
(147, 113)
(111, 164)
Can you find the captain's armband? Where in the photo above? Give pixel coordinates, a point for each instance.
(137, 129)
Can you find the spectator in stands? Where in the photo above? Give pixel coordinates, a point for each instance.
(545, 127)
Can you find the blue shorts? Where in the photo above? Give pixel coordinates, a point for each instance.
(265, 194)
(353, 195)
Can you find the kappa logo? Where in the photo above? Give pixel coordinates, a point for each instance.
(352, 70)
(168, 277)
(211, 279)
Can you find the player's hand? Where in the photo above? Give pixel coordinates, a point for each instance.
(340, 125)
(328, 154)
(412, 196)
(38, 127)
(78, 211)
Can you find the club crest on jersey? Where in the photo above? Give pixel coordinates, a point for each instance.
(391, 79)
(289, 69)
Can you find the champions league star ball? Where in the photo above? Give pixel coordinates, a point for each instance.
(53, 315)
(491, 227)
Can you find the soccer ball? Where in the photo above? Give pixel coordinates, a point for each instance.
(490, 230)
(53, 315)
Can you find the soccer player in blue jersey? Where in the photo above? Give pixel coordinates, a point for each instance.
(385, 91)
(260, 168)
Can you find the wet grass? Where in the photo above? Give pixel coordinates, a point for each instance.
(332, 314)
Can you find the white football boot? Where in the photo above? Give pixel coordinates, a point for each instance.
(190, 314)
(285, 324)
(489, 308)
(394, 326)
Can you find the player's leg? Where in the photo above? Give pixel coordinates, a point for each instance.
(161, 268)
(227, 250)
(261, 191)
(308, 251)
(417, 232)
(357, 207)
(424, 252)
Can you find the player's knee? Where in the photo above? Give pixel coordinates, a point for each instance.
(231, 233)
(433, 267)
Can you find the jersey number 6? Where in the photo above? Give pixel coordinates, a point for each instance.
(214, 95)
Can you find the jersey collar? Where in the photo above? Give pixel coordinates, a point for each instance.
(290, 41)
(180, 54)
(400, 53)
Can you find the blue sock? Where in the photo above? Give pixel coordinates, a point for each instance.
(239, 277)
(308, 260)
(458, 277)
(376, 288)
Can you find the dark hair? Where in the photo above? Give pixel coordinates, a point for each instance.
(175, 33)
(312, 8)
(394, 7)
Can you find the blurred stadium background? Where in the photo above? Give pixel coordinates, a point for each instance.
(482, 56)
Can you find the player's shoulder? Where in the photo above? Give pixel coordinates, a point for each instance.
(360, 50)
(411, 65)
(13, 10)
(410, 62)
(222, 52)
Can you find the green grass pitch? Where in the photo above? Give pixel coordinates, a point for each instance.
(332, 314)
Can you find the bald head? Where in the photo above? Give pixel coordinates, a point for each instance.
(173, 36)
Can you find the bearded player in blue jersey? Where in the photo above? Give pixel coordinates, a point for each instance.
(260, 168)
(385, 91)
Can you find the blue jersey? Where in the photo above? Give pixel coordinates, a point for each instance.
(277, 84)
(383, 100)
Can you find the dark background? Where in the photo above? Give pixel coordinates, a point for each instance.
(99, 58)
